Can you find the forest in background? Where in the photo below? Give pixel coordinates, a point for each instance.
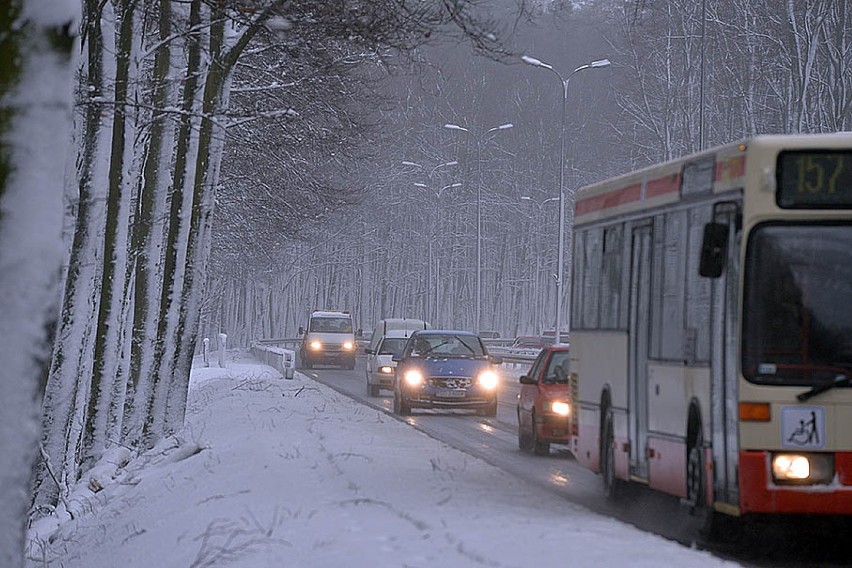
(401, 241)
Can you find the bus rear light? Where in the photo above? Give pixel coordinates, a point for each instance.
(755, 412)
(802, 469)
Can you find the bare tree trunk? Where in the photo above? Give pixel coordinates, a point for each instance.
(114, 250)
(67, 382)
(35, 132)
(147, 232)
(170, 291)
(211, 139)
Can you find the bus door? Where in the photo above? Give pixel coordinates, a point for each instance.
(723, 430)
(638, 341)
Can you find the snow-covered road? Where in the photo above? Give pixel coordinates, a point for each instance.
(271, 472)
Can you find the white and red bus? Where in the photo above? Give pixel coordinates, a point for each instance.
(711, 327)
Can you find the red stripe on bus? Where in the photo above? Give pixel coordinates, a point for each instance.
(667, 466)
(608, 200)
(662, 186)
(729, 168)
(758, 494)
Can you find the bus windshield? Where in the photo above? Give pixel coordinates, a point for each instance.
(797, 320)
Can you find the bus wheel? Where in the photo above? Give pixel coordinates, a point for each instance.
(611, 484)
(713, 526)
(696, 489)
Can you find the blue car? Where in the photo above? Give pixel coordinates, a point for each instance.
(445, 369)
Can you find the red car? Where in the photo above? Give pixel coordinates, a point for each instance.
(545, 409)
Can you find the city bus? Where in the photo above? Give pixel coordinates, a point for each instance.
(711, 328)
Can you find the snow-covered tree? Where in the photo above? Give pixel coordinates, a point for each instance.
(36, 71)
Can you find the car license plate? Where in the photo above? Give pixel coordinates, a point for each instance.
(453, 393)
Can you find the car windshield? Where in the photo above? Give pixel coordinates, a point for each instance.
(797, 324)
(557, 369)
(447, 345)
(331, 325)
(391, 345)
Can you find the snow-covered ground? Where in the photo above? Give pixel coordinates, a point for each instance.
(275, 472)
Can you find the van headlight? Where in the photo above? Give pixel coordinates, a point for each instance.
(386, 370)
(348, 346)
(315, 345)
(560, 408)
(488, 380)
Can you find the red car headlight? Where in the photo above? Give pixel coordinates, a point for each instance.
(560, 408)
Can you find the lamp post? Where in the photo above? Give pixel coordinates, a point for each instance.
(433, 170)
(541, 203)
(597, 64)
(479, 139)
(433, 309)
(539, 306)
(430, 174)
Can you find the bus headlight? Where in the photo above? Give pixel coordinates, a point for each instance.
(488, 380)
(816, 468)
(790, 467)
(413, 377)
(348, 346)
(315, 345)
(386, 370)
(560, 408)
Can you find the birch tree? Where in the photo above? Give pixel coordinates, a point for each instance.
(36, 73)
(154, 99)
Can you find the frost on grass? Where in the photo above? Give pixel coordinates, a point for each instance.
(227, 540)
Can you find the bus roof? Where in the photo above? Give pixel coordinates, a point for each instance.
(712, 171)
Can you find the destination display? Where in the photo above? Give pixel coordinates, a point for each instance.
(814, 179)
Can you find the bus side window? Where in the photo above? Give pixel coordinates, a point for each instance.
(714, 249)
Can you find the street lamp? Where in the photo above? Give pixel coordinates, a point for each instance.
(540, 305)
(479, 139)
(430, 174)
(540, 204)
(597, 64)
(434, 308)
(433, 170)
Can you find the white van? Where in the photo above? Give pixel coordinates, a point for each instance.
(328, 339)
(389, 337)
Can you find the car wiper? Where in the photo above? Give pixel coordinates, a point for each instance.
(466, 346)
(841, 380)
(432, 348)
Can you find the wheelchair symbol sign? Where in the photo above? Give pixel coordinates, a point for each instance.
(803, 427)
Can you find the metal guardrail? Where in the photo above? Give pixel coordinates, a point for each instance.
(517, 356)
(501, 347)
(284, 360)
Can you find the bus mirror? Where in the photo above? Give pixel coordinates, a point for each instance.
(714, 249)
(301, 330)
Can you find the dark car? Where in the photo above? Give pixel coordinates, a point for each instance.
(528, 343)
(445, 369)
(549, 336)
(545, 410)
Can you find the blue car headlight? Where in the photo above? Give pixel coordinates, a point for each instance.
(413, 377)
(488, 379)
